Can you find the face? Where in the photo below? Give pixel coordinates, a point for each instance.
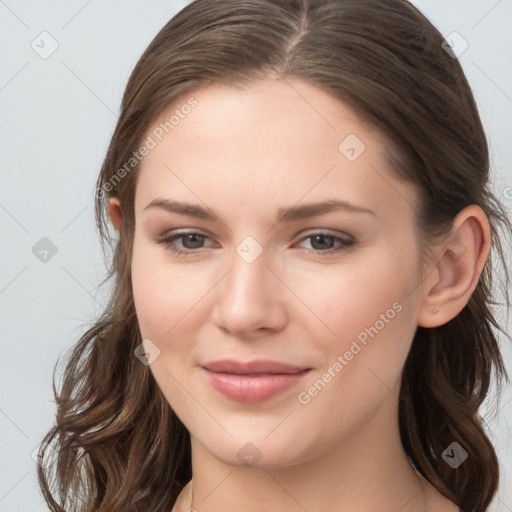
(297, 255)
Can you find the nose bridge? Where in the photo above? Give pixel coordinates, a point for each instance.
(249, 277)
(250, 296)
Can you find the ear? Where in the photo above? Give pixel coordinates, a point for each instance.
(115, 212)
(460, 261)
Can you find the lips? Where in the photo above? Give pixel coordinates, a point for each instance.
(252, 381)
(252, 367)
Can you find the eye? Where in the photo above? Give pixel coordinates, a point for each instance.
(326, 243)
(189, 241)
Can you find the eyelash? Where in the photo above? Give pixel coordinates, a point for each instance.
(345, 244)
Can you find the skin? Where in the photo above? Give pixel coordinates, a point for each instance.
(245, 153)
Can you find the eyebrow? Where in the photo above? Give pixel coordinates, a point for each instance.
(289, 214)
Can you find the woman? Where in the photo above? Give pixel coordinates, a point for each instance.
(301, 312)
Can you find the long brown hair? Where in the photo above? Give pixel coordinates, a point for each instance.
(117, 444)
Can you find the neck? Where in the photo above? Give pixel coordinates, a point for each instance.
(369, 471)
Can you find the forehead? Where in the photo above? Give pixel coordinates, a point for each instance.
(276, 141)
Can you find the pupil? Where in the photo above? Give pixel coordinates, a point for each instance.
(322, 238)
(195, 239)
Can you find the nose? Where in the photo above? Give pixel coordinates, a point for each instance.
(250, 300)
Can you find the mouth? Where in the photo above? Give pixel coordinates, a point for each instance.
(253, 381)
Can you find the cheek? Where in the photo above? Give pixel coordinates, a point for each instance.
(369, 297)
(166, 295)
(373, 315)
(155, 299)
(374, 321)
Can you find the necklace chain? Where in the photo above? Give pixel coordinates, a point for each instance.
(191, 508)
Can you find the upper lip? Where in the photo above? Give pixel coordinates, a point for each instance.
(252, 367)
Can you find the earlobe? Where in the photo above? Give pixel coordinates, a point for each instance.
(460, 261)
(115, 212)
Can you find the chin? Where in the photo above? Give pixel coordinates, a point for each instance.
(251, 449)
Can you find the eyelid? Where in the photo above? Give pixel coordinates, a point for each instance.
(327, 232)
(177, 233)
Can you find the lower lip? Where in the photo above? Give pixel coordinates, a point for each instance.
(252, 388)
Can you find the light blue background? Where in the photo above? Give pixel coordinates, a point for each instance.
(57, 116)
